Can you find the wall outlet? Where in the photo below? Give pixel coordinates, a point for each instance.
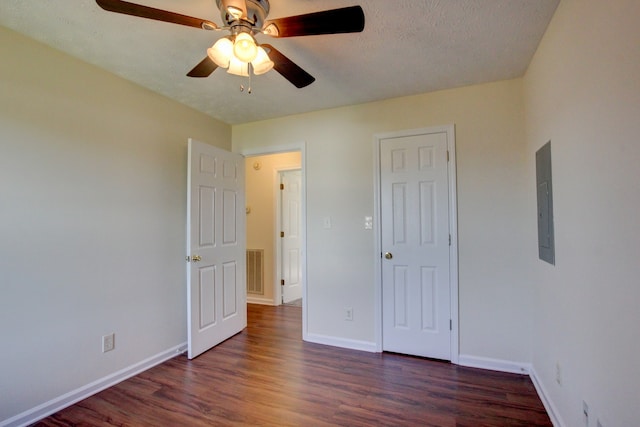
(108, 342)
(348, 313)
(558, 374)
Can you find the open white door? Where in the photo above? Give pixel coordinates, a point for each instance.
(216, 247)
(290, 218)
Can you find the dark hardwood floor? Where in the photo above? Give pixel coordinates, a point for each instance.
(268, 376)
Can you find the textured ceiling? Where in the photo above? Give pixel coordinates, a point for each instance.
(407, 47)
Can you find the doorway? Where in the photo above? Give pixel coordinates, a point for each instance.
(258, 160)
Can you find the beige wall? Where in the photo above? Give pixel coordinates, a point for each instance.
(582, 92)
(92, 222)
(261, 186)
(495, 313)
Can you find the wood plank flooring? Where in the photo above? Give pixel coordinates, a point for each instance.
(268, 376)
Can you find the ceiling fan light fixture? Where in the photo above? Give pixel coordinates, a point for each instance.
(239, 68)
(262, 63)
(244, 47)
(221, 52)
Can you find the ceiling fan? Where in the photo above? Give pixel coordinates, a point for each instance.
(239, 52)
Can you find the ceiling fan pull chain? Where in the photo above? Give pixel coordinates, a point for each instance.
(248, 87)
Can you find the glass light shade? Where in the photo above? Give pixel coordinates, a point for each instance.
(221, 52)
(238, 67)
(262, 63)
(244, 48)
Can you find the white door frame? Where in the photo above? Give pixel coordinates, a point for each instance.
(453, 230)
(277, 149)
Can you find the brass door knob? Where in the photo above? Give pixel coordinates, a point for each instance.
(388, 255)
(196, 258)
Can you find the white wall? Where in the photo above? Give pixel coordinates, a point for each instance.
(582, 92)
(92, 222)
(495, 310)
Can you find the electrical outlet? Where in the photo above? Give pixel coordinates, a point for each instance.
(348, 313)
(558, 374)
(108, 342)
(585, 413)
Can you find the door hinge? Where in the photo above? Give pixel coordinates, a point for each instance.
(282, 282)
(282, 186)
(449, 239)
(282, 234)
(450, 324)
(447, 155)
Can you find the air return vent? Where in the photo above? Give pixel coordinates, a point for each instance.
(255, 271)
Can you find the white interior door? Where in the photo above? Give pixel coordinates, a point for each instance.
(291, 212)
(216, 247)
(415, 239)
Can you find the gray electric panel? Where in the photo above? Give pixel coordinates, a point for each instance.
(546, 251)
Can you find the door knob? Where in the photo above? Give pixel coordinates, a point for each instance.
(196, 258)
(388, 255)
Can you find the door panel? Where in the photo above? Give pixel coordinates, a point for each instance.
(427, 214)
(416, 309)
(400, 296)
(206, 285)
(216, 247)
(229, 288)
(206, 222)
(399, 212)
(229, 217)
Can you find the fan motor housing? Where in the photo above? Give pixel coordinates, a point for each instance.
(257, 11)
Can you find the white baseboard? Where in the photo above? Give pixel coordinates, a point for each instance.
(516, 368)
(546, 401)
(54, 405)
(259, 300)
(494, 364)
(341, 342)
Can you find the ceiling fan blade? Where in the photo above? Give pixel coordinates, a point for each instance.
(235, 8)
(288, 69)
(133, 9)
(203, 69)
(334, 21)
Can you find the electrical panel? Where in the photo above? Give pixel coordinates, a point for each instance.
(546, 247)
